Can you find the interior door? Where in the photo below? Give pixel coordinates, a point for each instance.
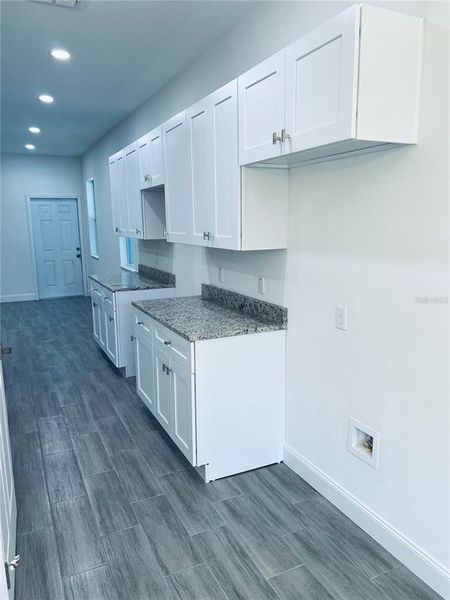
(57, 247)
(177, 179)
(226, 171)
(321, 83)
(162, 389)
(261, 110)
(145, 383)
(183, 411)
(8, 509)
(156, 157)
(201, 167)
(133, 192)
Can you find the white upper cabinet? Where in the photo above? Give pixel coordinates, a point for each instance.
(202, 171)
(261, 110)
(133, 192)
(177, 179)
(145, 165)
(156, 157)
(350, 85)
(321, 84)
(226, 182)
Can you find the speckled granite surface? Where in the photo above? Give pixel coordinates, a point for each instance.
(199, 318)
(157, 275)
(127, 281)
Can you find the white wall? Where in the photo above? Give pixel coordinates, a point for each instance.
(369, 232)
(22, 175)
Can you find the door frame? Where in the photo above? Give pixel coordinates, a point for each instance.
(29, 199)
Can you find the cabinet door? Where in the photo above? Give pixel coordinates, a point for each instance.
(156, 157)
(162, 389)
(145, 382)
(226, 171)
(143, 149)
(133, 192)
(321, 84)
(199, 123)
(183, 428)
(110, 335)
(102, 329)
(115, 192)
(177, 180)
(96, 325)
(122, 195)
(261, 110)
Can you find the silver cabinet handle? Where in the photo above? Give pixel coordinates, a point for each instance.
(276, 138)
(141, 323)
(116, 229)
(168, 370)
(285, 136)
(132, 338)
(163, 368)
(138, 230)
(165, 233)
(94, 304)
(207, 235)
(168, 343)
(111, 319)
(146, 177)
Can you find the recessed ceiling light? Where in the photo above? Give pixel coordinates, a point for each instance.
(60, 54)
(34, 129)
(29, 146)
(46, 98)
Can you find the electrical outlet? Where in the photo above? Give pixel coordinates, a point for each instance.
(341, 317)
(261, 284)
(220, 274)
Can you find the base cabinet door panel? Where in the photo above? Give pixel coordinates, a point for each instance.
(321, 84)
(96, 317)
(110, 334)
(145, 381)
(183, 430)
(162, 389)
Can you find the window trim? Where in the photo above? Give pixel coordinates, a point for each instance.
(90, 198)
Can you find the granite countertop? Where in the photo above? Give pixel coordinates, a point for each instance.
(216, 313)
(126, 281)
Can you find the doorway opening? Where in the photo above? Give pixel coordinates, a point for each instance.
(56, 246)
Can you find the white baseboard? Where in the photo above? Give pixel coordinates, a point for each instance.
(427, 568)
(17, 297)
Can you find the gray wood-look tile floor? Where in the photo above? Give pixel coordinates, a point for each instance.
(108, 509)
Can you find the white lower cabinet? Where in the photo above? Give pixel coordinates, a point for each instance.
(112, 323)
(221, 401)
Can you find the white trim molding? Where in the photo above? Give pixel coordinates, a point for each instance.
(18, 297)
(422, 564)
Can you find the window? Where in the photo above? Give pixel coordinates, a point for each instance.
(128, 253)
(92, 218)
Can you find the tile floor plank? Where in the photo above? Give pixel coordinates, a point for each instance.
(114, 435)
(161, 457)
(197, 583)
(96, 584)
(172, 546)
(78, 544)
(63, 476)
(133, 564)
(299, 584)
(54, 435)
(91, 454)
(110, 505)
(135, 474)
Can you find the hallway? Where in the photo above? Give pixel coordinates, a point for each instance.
(108, 509)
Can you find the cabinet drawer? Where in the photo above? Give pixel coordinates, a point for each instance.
(96, 290)
(143, 325)
(174, 345)
(108, 298)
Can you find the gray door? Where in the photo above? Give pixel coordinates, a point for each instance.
(57, 247)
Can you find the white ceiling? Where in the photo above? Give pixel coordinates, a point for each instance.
(123, 51)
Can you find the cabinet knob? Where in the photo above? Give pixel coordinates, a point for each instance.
(138, 230)
(164, 233)
(276, 138)
(132, 338)
(140, 323)
(146, 177)
(116, 229)
(168, 343)
(94, 303)
(285, 136)
(111, 319)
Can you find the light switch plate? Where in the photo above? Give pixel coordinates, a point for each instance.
(220, 274)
